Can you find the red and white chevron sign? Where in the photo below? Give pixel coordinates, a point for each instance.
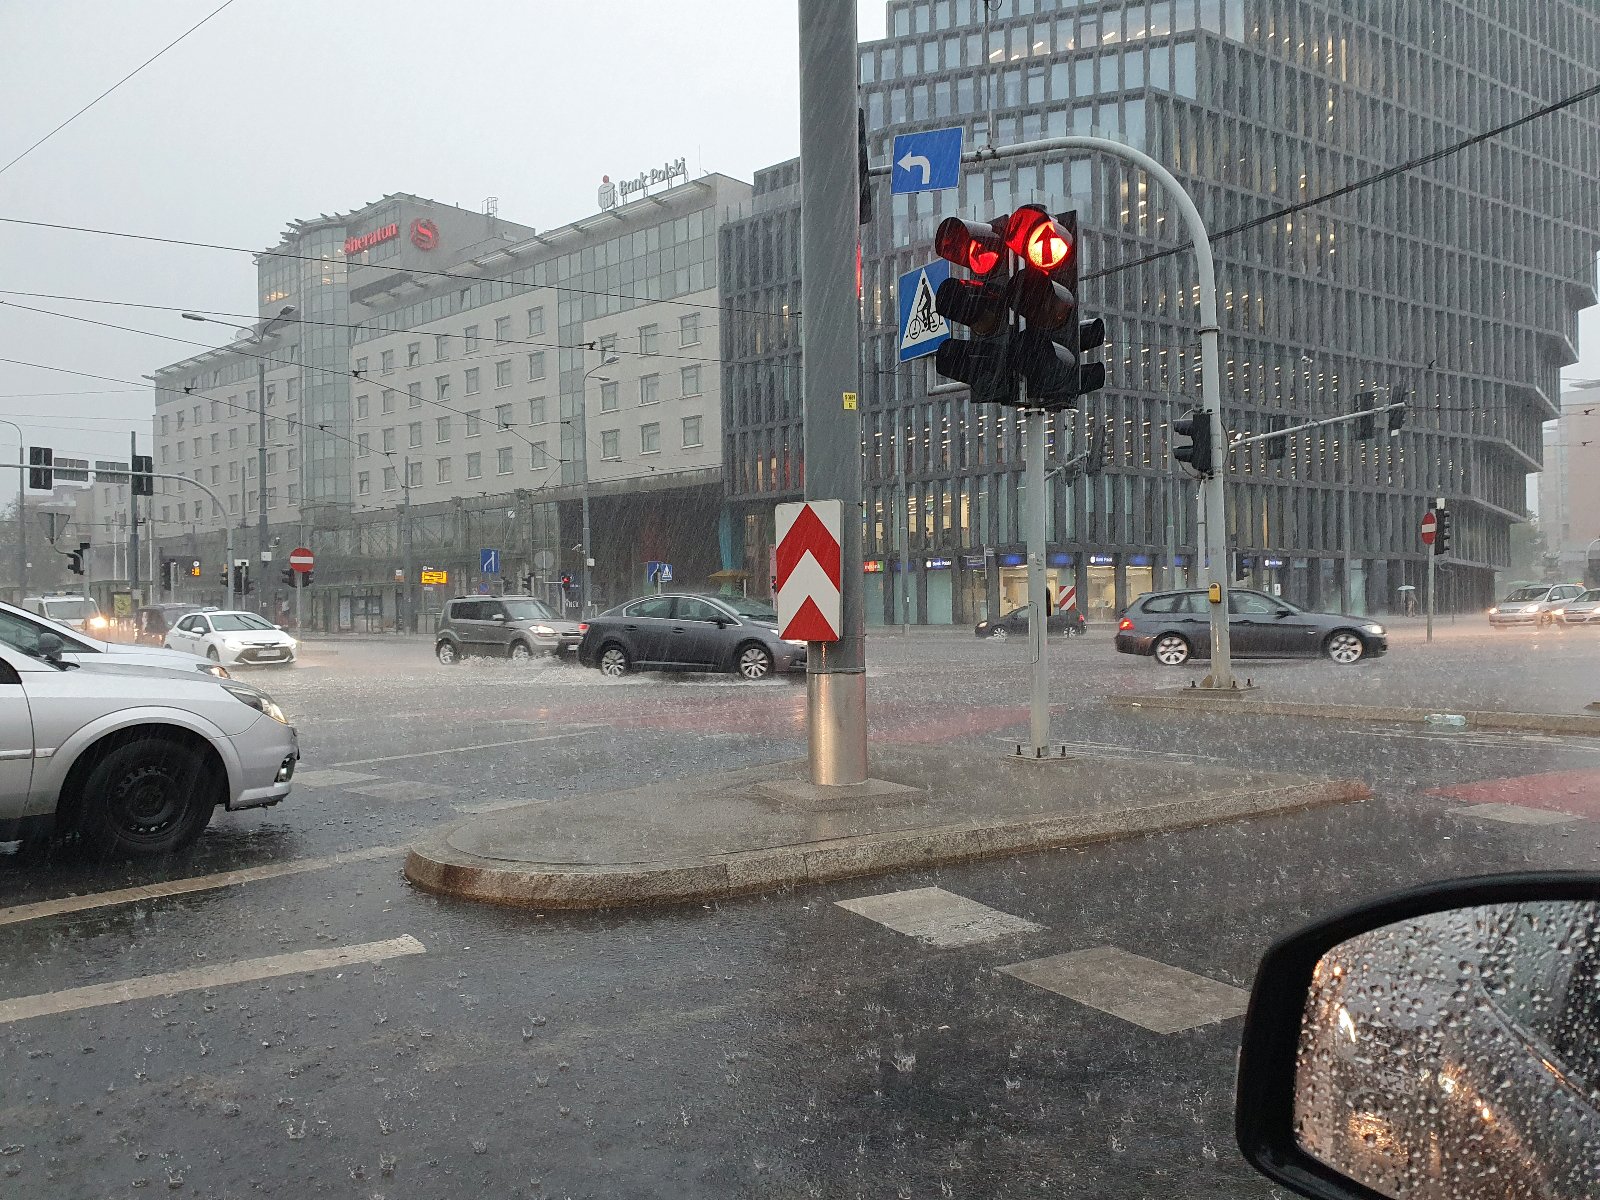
(809, 565)
(1066, 597)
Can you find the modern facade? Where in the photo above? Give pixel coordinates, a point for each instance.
(450, 382)
(1455, 286)
(1569, 488)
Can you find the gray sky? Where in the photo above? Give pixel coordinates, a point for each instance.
(278, 109)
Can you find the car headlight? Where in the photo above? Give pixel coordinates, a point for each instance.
(259, 701)
(1530, 608)
(98, 623)
(1494, 611)
(1558, 612)
(233, 643)
(1374, 629)
(544, 631)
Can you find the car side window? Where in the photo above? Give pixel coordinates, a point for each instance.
(189, 625)
(691, 609)
(1166, 604)
(488, 610)
(466, 610)
(8, 673)
(659, 607)
(24, 635)
(1251, 604)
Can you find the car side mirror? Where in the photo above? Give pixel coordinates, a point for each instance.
(499, 617)
(51, 647)
(1282, 613)
(1441, 1042)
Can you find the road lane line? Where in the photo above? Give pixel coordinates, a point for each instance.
(97, 995)
(196, 883)
(365, 762)
(1141, 991)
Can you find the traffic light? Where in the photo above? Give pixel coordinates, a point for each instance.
(194, 568)
(1197, 452)
(863, 180)
(241, 578)
(142, 482)
(1441, 531)
(527, 582)
(1241, 568)
(566, 581)
(75, 558)
(1367, 426)
(981, 361)
(41, 468)
(1097, 448)
(1397, 419)
(287, 575)
(1278, 447)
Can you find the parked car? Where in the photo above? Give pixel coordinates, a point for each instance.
(680, 631)
(1583, 609)
(132, 760)
(23, 630)
(514, 627)
(241, 638)
(1015, 624)
(1534, 604)
(76, 612)
(153, 622)
(1176, 626)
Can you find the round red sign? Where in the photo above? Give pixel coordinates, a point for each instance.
(1430, 524)
(301, 559)
(424, 234)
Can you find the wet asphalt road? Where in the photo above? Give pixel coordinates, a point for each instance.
(773, 1046)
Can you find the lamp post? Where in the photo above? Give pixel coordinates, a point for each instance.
(583, 442)
(287, 311)
(22, 512)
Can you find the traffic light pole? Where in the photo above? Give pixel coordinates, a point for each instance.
(836, 679)
(1038, 602)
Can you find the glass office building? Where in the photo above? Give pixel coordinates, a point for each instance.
(1454, 286)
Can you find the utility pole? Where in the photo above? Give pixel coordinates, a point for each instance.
(1038, 601)
(406, 601)
(261, 478)
(836, 678)
(902, 537)
(133, 524)
(22, 511)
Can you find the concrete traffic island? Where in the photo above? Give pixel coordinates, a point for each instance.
(767, 827)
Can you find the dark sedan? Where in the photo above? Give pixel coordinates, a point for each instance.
(680, 632)
(1015, 624)
(1176, 626)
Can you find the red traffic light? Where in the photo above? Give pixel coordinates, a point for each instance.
(971, 245)
(1042, 241)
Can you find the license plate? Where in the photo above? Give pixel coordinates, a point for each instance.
(270, 654)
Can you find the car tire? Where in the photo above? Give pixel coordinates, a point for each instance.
(753, 662)
(1171, 650)
(520, 652)
(146, 797)
(613, 661)
(1345, 647)
(211, 653)
(447, 653)
(999, 633)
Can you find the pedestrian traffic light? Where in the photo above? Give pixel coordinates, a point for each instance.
(1241, 568)
(41, 468)
(1197, 451)
(1441, 531)
(1278, 447)
(75, 558)
(142, 481)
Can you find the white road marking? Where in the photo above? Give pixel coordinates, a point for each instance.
(1490, 739)
(322, 779)
(97, 995)
(938, 917)
(1139, 990)
(1514, 814)
(554, 737)
(399, 789)
(197, 883)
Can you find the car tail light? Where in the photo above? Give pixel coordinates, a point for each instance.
(583, 627)
(1125, 623)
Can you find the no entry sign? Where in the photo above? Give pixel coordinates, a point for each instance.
(1430, 527)
(301, 559)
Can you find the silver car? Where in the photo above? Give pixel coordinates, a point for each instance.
(1534, 604)
(514, 627)
(1584, 609)
(24, 630)
(133, 760)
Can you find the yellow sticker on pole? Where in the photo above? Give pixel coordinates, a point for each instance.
(850, 402)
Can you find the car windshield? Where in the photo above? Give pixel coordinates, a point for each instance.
(1522, 595)
(70, 608)
(237, 622)
(527, 610)
(1590, 596)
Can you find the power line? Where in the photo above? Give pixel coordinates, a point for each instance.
(114, 86)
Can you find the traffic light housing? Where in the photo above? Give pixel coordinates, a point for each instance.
(566, 581)
(242, 585)
(194, 568)
(1197, 452)
(1278, 447)
(1397, 419)
(141, 481)
(1366, 426)
(1441, 531)
(527, 583)
(41, 468)
(75, 558)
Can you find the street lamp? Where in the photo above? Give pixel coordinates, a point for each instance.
(583, 443)
(287, 311)
(22, 512)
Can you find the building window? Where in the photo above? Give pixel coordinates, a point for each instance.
(502, 374)
(272, 391)
(691, 432)
(388, 401)
(471, 339)
(689, 330)
(183, 513)
(649, 389)
(414, 474)
(361, 369)
(388, 440)
(272, 464)
(441, 347)
(363, 445)
(415, 430)
(536, 366)
(441, 429)
(179, 415)
(611, 444)
(292, 453)
(216, 442)
(294, 494)
(606, 344)
(502, 329)
(608, 397)
(475, 465)
(413, 357)
(650, 438)
(535, 322)
(233, 472)
(502, 464)
(441, 470)
(472, 381)
(272, 500)
(538, 456)
(691, 380)
(536, 411)
(386, 362)
(441, 388)
(363, 407)
(474, 425)
(649, 338)
(363, 483)
(414, 392)
(502, 415)
(294, 384)
(163, 426)
(390, 479)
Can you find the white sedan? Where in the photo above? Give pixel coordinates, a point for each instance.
(233, 638)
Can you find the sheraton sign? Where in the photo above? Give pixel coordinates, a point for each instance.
(356, 243)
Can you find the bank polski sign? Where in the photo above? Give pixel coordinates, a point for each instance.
(626, 189)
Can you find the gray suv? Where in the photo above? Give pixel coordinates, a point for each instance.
(514, 627)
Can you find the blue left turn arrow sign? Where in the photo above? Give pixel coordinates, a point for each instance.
(926, 162)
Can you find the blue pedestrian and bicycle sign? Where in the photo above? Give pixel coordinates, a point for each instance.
(488, 561)
(922, 329)
(926, 162)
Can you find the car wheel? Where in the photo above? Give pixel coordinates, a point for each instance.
(999, 633)
(614, 661)
(754, 661)
(150, 796)
(1344, 647)
(520, 652)
(447, 653)
(1172, 650)
(211, 653)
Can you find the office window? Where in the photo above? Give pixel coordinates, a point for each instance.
(413, 354)
(606, 344)
(388, 440)
(386, 362)
(691, 432)
(388, 401)
(414, 394)
(502, 415)
(475, 465)
(294, 384)
(649, 338)
(414, 473)
(689, 329)
(363, 445)
(608, 397)
(441, 470)
(650, 438)
(502, 329)
(471, 338)
(391, 479)
(539, 456)
(183, 513)
(363, 407)
(292, 454)
(535, 322)
(649, 389)
(197, 408)
(441, 429)
(441, 388)
(502, 465)
(249, 436)
(197, 445)
(536, 411)
(474, 425)
(163, 426)
(215, 473)
(502, 374)
(233, 472)
(294, 494)
(216, 442)
(179, 415)
(472, 381)
(166, 513)
(441, 347)
(536, 366)
(272, 464)
(216, 407)
(363, 483)
(415, 432)
(361, 369)
(611, 443)
(272, 500)
(690, 377)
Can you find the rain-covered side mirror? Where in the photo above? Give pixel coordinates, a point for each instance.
(51, 646)
(1442, 1044)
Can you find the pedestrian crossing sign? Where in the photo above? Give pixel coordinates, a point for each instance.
(922, 329)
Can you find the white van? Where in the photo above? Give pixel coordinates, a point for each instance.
(75, 612)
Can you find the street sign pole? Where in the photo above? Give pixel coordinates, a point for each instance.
(1431, 557)
(1038, 604)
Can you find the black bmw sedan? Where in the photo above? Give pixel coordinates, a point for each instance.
(1176, 626)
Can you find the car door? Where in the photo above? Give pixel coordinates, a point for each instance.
(646, 627)
(1290, 631)
(1252, 623)
(469, 628)
(185, 634)
(1191, 616)
(16, 742)
(495, 623)
(703, 635)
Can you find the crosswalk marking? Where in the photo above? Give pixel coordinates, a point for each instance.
(1141, 991)
(938, 917)
(329, 778)
(169, 983)
(1514, 814)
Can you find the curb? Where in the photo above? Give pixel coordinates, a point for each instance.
(1192, 699)
(435, 866)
